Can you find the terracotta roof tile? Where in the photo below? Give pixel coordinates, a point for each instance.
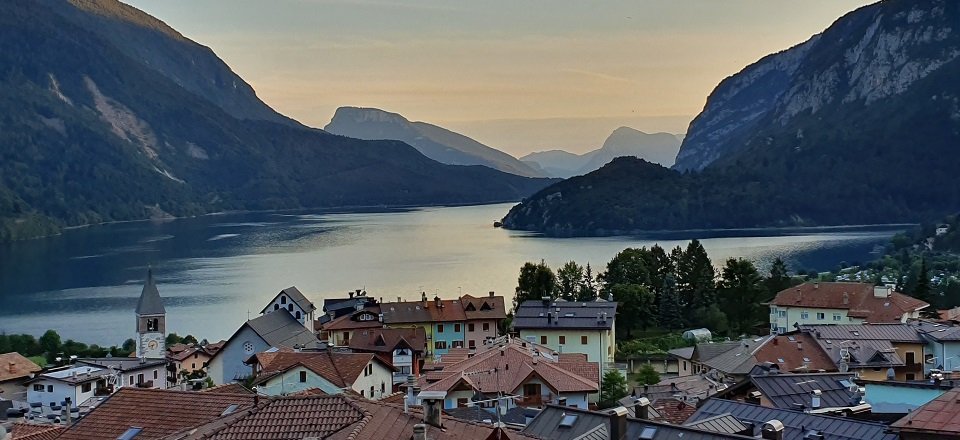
(857, 298)
(340, 369)
(484, 307)
(293, 418)
(387, 339)
(35, 431)
(795, 351)
(229, 388)
(940, 416)
(158, 412)
(15, 366)
(672, 410)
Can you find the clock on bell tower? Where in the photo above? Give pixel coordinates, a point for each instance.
(151, 321)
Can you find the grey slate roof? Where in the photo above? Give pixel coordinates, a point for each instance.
(796, 423)
(739, 359)
(884, 332)
(559, 314)
(547, 424)
(709, 350)
(724, 423)
(793, 391)
(150, 302)
(938, 332)
(683, 353)
(636, 428)
(280, 329)
(297, 297)
(516, 415)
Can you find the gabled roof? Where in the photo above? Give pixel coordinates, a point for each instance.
(861, 353)
(515, 363)
(280, 329)
(692, 387)
(560, 314)
(709, 350)
(484, 307)
(340, 369)
(671, 410)
(546, 425)
(682, 353)
(857, 298)
(351, 321)
(940, 416)
(739, 359)
(296, 296)
(150, 302)
(407, 312)
(793, 391)
(724, 423)
(385, 340)
(158, 412)
(228, 388)
(35, 431)
(647, 429)
(795, 352)
(796, 423)
(15, 366)
(884, 332)
(516, 415)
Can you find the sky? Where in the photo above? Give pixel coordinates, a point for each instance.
(520, 76)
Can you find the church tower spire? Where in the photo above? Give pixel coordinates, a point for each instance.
(151, 321)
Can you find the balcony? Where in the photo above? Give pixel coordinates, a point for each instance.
(145, 384)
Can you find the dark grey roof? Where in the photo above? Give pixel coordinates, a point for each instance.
(683, 353)
(547, 423)
(738, 359)
(297, 297)
(938, 332)
(884, 332)
(280, 329)
(794, 391)
(796, 423)
(648, 430)
(516, 415)
(559, 314)
(709, 350)
(724, 423)
(150, 302)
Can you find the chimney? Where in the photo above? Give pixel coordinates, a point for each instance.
(815, 399)
(772, 430)
(816, 285)
(423, 297)
(66, 411)
(412, 391)
(380, 317)
(642, 408)
(436, 299)
(432, 407)
(881, 291)
(800, 345)
(12, 367)
(491, 294)
(846, 298)
(618, 422)
(420, 432)
(545, 300)
(351, 294)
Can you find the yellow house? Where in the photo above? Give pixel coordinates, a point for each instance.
(875, 351)
(570, 327)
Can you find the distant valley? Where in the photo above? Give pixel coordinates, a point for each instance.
(660, 148)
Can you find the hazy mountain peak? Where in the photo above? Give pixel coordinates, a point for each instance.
(367, 114)
(124, 12)
(658, 148)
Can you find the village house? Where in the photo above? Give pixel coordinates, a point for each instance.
(401, 348)
(570, 327)
(338, 332)
(15, 370)
(271, 330)
(280, 373)
(189, 360)
(92, 377)
(513, 367)
(293, 301)
(334, 308)
(840, 303)
(941, 345)
(874, 351)
(937, 419)
(891, 400)
(821, 393)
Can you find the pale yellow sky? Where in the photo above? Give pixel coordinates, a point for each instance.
(519, 76)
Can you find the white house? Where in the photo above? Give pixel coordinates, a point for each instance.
(840, 303)
(271, 330)
(79, 383)
(284, 373)
(570, 327)
(293, 301)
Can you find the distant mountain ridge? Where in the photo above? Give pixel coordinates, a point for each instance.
(858, 125)
(108, 114)
(435, 142)
(660, 148)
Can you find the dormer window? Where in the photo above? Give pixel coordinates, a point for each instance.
(283, 299)
(485, 307)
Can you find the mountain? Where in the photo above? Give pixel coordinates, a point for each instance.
(434, 142)
(108, 114)
(860, 124)
(659, 148)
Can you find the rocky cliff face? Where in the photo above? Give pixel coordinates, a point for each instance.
(866, 58)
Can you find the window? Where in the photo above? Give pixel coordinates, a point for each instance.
(911, 358)
(472, 344)
(85, 388)
(583, 340)
(911, 376)
(298, 314)
(248, 347)
(462, 402)
(193, 365)
(140, 378)
(820, 316)
(361, 394)
(154, 374)
(773, 310)
(486, 326)
(562, 339)
(469, 327)
(383, 387)
(457, 344)
(131, 380)
(439, 328)
(283, 299)
(804, 315)
(440, 345)
(276, 307)
(38, 387)
(836, 316)
(371, 390)
(346, 337)
(369, 371)
(456, 328)
(290, 307)
(303, 377)
(782, 313)
(543, 339)
(781, 329)
(684, 365)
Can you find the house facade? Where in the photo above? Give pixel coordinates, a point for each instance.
(875, 351)
(15, 370)
(570, 327)
(270, 330)
(403, 349)
(284, 373)
(295, 303)
(840, 303)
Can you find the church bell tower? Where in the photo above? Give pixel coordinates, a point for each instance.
(151, 325)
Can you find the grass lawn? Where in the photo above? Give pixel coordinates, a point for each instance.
(39, 360)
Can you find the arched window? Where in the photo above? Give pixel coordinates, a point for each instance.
(298, 314)
(290, 307)
(283, 300)
(276, 307)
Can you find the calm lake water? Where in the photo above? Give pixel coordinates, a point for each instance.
(215, 271)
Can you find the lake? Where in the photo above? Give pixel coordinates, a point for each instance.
(215, 271)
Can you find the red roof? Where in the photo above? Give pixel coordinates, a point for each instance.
(388, 339)
(15, 366)
(340, 369)
(484, 307)
(158, 412)
(672, 411)
(793, 351)
(349, 322)
(940, 416)
(857, 298)
(34, 431)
